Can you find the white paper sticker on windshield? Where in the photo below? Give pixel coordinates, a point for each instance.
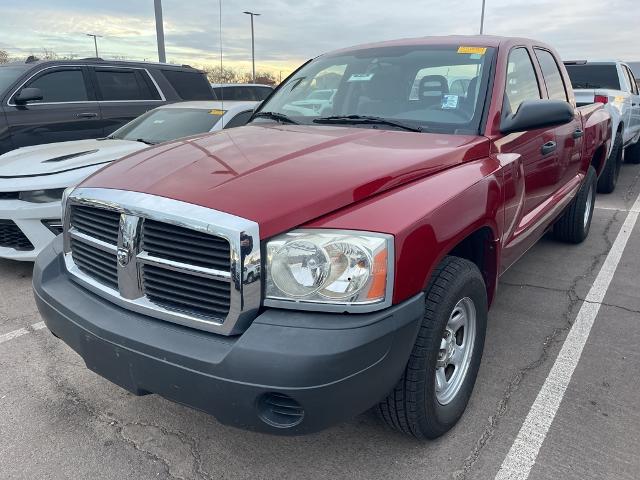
(450, 101)
(360, 77)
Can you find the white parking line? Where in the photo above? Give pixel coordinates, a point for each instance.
(524, 451)
(617, 209)
(5, 337)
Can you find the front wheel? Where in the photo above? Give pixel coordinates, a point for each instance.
(573, 226)
(435, 387)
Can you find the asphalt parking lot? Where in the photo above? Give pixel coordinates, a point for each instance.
(58, 420)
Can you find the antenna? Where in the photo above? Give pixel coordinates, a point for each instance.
(221, 70)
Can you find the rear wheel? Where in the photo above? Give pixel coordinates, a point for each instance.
(573, 226)
(609, 176)
(436, 385)
(632, 153)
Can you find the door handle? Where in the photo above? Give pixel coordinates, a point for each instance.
(548, 147)
(86, 115)
(577, 133)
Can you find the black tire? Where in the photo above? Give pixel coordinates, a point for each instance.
(632, 153)
(572, 227)
(413, 406)
(609, 175)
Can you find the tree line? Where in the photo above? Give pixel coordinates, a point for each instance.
(219, 74)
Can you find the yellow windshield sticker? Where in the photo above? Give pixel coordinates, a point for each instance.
(217, 111)
(476, 50)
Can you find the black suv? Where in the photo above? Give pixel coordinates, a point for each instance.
(60, 100)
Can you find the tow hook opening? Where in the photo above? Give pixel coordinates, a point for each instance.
(279, 410)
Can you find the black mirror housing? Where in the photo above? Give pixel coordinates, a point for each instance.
(533, 114)
(29, 94)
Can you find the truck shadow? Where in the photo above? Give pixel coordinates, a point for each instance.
(10, 269)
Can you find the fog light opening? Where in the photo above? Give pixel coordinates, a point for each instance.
(279, 410)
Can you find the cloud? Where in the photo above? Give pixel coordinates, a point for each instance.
(289, 32)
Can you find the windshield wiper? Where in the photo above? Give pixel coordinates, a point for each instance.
(148, 142)
(366, 119)
(280, 117)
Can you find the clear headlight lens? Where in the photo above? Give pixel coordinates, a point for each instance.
(326, 266)
(42, 196)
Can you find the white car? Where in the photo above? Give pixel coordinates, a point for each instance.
(32, 179)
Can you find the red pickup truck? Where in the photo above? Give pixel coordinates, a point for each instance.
(293, 273)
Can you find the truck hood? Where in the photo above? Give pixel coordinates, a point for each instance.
(64, 156)
(286, 175)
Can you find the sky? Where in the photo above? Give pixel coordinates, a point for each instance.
(288, 32)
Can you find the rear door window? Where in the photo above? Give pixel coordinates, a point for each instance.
(189, 85)
(115, 84)
(594, 76)
(522, 83)
(61, 85)
(552, 76)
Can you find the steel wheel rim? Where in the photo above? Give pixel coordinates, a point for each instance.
(587, 210)
(456, 351)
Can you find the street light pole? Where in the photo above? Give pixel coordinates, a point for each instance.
(253, 45)
(95, 42)
(160, 31)
(482, 19)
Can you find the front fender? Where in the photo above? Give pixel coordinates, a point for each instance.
(429, 218)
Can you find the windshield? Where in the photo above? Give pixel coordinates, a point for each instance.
(8, 75)
(165, 124)
(438, 88)
(594, 76)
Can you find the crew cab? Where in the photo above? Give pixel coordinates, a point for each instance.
(47, 101)
(380, 230)
(613, 84)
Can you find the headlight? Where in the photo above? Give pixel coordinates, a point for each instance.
(329, 267)
(42, 196)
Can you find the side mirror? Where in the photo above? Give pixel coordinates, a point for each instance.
(28, 95)
(534, 114)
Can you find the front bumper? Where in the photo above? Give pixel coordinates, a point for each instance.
(333, 366)
(28, 217)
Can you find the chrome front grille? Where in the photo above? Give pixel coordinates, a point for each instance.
(98, 223)
(96, 263)
(180, 244)
(185, 292)
(168, 259)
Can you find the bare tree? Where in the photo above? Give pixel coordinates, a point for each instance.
(48, 54)
(221, 74)
(264, 78)
(4, 56)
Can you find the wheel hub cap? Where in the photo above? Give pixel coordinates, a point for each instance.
(456, 348)
(587, 210)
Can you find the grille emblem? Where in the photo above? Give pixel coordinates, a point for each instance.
(123, 257)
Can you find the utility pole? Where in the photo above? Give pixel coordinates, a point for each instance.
(482, 19)
(160, 31)
(95, 42)
(253, 45)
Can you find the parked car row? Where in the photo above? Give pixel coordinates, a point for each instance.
(340, 251)
(32, 179)
(62, 100)
(241, 91)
